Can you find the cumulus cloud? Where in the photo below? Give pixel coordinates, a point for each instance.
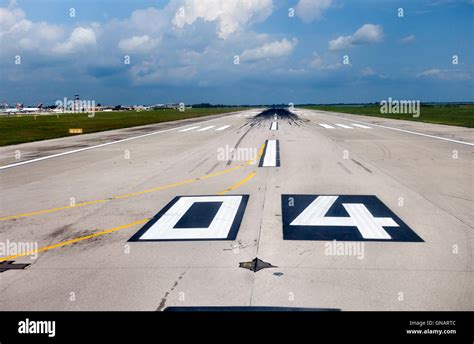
(309, 10)
(138, 44)
(273, 49)
(231, 16)
(408, 39)
(79, 39)
(318, 63)
(19, 32)
(368, 33)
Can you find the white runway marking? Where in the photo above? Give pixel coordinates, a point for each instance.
(370, 227)
(361, 126)
(326, 126)
(274, 126)
(270, 159)
(188, 129)
(344, 126)
(223, 128)
(207, 128)
(163, 229)
(404, 130)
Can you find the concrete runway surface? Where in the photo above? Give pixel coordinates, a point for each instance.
(81, 208)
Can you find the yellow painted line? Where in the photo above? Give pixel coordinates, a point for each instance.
(133, 194)
(128, 225)
(72, 241)
(235, 186)
(52, 210)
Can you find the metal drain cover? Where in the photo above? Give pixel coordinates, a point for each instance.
(256, 265)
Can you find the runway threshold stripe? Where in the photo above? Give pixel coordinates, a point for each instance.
(188, 129)
(223, 128)
(326, 126)
(344, 126)
(271, 154)
(405, 131)
(361, 126)
(207, 128)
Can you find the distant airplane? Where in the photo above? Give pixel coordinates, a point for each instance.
(20, 109)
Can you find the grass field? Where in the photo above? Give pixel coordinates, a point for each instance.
(462, 116)
(20, 129)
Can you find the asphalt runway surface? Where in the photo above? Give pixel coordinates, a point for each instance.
(344, 212)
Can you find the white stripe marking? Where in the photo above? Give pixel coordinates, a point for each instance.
(344, 126)
(270, 154)
(273, 126)
(404, 131)
(361, 126)
(327, 126)
(224, 127)
(188, 129)
(207, 128)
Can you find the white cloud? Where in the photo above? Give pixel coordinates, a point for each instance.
(445, 74)
(318, 63)
(408, 39)
(270, 50)
(138, 44)
(80, 38)
(368, 33)
(231, 16)
(309, 10)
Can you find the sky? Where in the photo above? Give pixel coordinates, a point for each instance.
(236, 51)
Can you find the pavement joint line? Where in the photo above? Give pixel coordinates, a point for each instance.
(397, 129)
(133, 194)
(106, 144)
(114, 229)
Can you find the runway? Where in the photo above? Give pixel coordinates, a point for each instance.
(163, 215)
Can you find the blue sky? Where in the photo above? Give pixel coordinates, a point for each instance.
(185, 51)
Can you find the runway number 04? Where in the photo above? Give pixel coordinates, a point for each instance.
(370, 227)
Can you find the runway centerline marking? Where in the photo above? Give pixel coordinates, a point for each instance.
(274, 126)
(401, 130)
(223, 127)
(103, 144)
(271, 154)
